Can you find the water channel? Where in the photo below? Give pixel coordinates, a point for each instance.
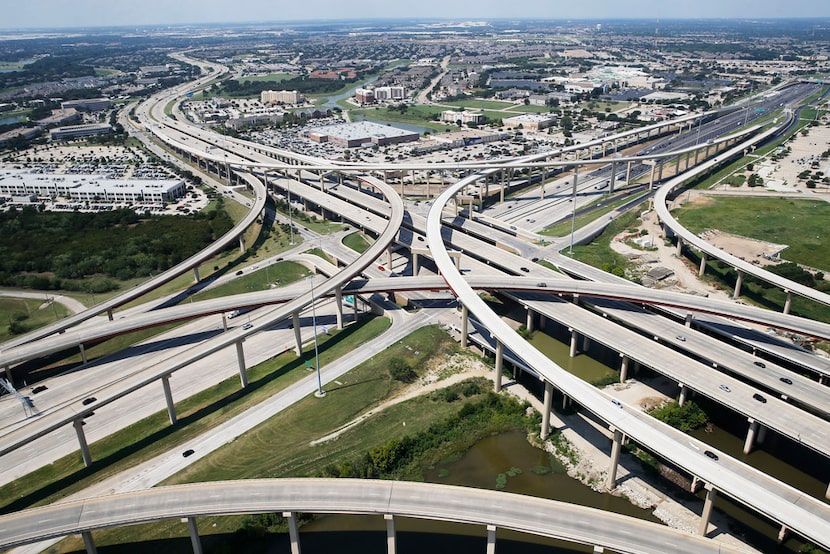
(524, 469)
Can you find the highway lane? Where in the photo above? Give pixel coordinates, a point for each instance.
(778, 502)
(718, 354)
(784, 418)
(526, 514)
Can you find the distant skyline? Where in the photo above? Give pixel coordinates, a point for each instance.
(30, 14)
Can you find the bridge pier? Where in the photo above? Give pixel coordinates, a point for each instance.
(628, 173)
(89, 544)
(613, 177)
(241, 244)
(465, 316)
(83, 352)
(338, 302)
(586, 342)
(194, 535)
(651, 178)
(545, 433)
(196, 274)
(530, 321)
(679, 250)
(491, 539)
(293, 533)
(750, 436)
(389, 258)
(688, 320)
(789, 302)
(168, 397)
(684, 393)
(240, 359)
(414, 264)
(224, 322)
(295, 322)
(616, 445)
(9, 374)
(391, 539)
(702, 269)
(623, 368)
(109, 314)
(78, 423)
(738, 284)
(566, 401)
(574, 336)
(499, 366)
(542, 321)
(708, 504)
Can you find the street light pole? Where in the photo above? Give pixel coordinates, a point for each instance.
(290, 220)
(573, 210)
(320, 392)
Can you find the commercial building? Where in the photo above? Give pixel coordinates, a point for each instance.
(364, 95)
(87, 104)
(390, 93)
(466, 117)
(361, 133)
(89, 188)
(78, 131)
(530, 121)
(282, 96)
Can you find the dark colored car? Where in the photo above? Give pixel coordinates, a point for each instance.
(760, 364)
(88, 401)
(759, 398)
(188, 452)
(711, 455)
(786, 380)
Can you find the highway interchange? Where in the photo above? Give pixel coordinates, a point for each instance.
(386, 217)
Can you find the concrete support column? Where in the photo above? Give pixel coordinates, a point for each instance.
(651, 179)
(298, 339)
(414, 264)
(9, 374)
(611, 477)
(677, 166)
(689, 318)
(574, 336)
(89, 544)
(240, 359)
(542, 321)
(628, 173)
(196, 274)
(109, 314)
(530, 321)
(598, 549)
(750, 436)
(702, 269)
(762, 434)
(586, 343)
(241, 244)
(623, 368)
(708, 504)
(338, 302)
(79, 431)
(168, 397)
(501, 191)
(389, 258)
(224, 322)
(684, 393)
(548, 400)
(391, 540)
(465, 315)
(660, 171)
(194, 535)
(293, 533)
(491, 539)
(789, 302)
(782, 534)
(679, 250)
(738, 284)
(566, 401)
(697, 153)
(499, 366)
(613, 177)
(83, 352)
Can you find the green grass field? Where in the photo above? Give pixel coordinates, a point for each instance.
(28, 314)
(279, 274)
(271, 78)
(804, 225)
(358, 242)
(479, 104)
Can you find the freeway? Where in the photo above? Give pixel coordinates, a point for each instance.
(668, 220)
(772, 501)
(525, 514)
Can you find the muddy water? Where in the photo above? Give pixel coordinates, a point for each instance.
(523, 469)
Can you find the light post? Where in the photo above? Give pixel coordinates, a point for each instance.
(320, 392)
(290, 220)
(573, 210)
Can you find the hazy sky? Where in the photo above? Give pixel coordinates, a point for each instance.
(83, 13)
